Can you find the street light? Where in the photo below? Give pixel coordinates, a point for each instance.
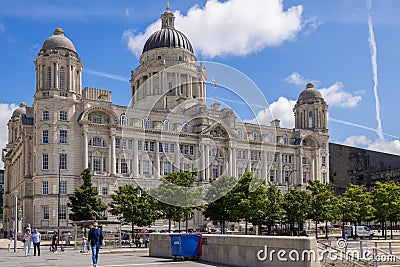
(15, 219)
(59, 195)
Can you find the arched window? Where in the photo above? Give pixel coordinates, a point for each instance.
(186, 127)
(310, 120)
(285, 139)
(146, 123)
(240, 133)
(48, 78)
(123, 120)
(255, 136)
(62, 78)
(165, 125)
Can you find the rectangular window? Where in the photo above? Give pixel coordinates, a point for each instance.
(46, 212)
(172, 148)
(130, 144)
(287, 176)
(160, 147)
(139, 145)
(167, 168)
(304, 177)
(96, 142)
(96, 164)
(63, 137)
(63, 116)
(63, 213)
(97, 119)
(215, 171)
(323, 160)
(146, 146)
(166, 146)
(186, 149)
(303, 160)
(63, 161)
(45, 137)
(45, 188)
(117, 143)
(45, 162)
(94, 186)
(146, 167)
(124, 166)
(123, 143)
(63, 187)
(324, 177)
(152, 146)
(240, 172)
(117, 166)
(104, 189)
(272, 175)
(45, 115)
(191, 150)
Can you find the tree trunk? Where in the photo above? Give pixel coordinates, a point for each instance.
(316, 230)
(245, 229)
(326, 230)
(391, 230)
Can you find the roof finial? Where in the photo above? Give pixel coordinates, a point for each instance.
(167, 8)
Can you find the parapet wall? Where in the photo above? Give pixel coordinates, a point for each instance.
(244, 250)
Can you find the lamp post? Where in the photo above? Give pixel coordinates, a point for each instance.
(59, 194)
(15, 219)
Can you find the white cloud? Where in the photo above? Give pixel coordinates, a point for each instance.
(336, 96)
(297, 79)
(392, 147)
(310, 25)
(281, 110)
(232, 27)
(5, 113)
(357, 141)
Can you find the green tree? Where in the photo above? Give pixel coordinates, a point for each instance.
(177, 196)
(133, 205)
(274, 211)
(222, 209)
(386, 203)
(322, 206)
(296, 204)
(359, 203)
(85, 203)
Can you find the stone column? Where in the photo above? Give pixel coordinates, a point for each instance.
(230, 161)
(85, 148)
(56, 75)
(177, 156)
(248, 169)
(234, 161)
(135, 168)
(157, 160)
(264, 157)
(113, 157)
(207, 161)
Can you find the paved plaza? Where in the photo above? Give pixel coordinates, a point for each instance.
(71, 258)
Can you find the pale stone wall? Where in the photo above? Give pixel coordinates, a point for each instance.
(242, 250)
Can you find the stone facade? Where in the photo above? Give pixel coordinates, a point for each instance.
(167, 127)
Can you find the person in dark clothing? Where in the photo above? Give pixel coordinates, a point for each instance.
(95, 239)
(54, 238)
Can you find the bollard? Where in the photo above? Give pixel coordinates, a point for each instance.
(361, 249)
(390, 248)
(9, 246)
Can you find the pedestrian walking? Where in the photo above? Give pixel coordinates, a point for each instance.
(26, 238)
(54, 238)
(95, 239)
(36, 241)
(11, 234)
(83, 248)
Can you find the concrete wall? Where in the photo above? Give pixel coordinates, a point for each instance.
(241, 250)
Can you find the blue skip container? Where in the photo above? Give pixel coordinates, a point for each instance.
(185, 245)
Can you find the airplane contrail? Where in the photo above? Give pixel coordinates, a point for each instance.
(372, 46)
(360, 126)
(107, 75)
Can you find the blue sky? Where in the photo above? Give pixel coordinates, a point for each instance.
(280, 45)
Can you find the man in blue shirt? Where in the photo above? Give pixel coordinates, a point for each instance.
(95, 239)
(36, 241)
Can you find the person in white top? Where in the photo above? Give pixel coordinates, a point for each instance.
(36, 242)
(26, 238)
